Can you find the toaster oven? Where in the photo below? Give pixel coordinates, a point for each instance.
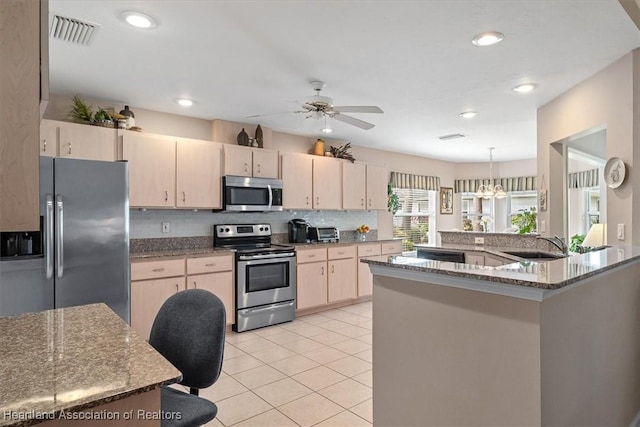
(324, 234)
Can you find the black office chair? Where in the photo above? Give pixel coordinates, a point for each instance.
(189, 332)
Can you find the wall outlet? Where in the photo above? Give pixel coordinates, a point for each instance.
(479, 240)
(166, 227)
(620, 231)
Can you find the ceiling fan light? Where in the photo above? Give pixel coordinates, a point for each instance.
(184, 102)
(326, 130)
(487, 39)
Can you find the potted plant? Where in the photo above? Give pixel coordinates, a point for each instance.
(81, 111)
(526, 220)
(393, 202)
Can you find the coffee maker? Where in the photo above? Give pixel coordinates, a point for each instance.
(298, 231)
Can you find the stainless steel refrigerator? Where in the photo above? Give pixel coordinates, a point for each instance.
(80, 255)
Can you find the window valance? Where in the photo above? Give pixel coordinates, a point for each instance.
(415, 182)
(519, 183)
(590, 178)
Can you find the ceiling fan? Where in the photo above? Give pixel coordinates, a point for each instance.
(319, 106)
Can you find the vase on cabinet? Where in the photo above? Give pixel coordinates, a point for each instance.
(363, 237)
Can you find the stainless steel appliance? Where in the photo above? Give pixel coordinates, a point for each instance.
(324, 234)
(81, 253)
(298, 230)
(265, 291)
(241, 193)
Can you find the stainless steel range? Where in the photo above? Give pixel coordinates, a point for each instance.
(265, 291)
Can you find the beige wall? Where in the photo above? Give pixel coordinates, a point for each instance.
(453, 357)
(604, 100)
(590, 352)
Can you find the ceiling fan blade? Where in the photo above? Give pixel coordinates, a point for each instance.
(358, 109)
(353, 121)
(270, 114)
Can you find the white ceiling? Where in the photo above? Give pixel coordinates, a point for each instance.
(414, 59)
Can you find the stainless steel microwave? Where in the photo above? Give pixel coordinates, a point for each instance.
(242, 193)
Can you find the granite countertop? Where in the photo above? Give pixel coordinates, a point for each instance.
(164, 253)
(547, 275)
(72, 359)
(342, 242)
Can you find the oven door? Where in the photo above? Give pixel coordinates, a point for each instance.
(265, 279)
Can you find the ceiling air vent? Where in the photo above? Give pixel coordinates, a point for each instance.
(451, 136)
(72, 30)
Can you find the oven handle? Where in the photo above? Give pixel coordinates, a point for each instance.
(269, 256)
(270, 307)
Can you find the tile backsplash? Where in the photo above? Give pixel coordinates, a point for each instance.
(145, 224)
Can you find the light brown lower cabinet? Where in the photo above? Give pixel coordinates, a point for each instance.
(343, 279)
(377, 251)
(311, 284)
(218, 284)
(155, 280)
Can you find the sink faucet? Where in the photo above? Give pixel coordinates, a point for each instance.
(558, 242)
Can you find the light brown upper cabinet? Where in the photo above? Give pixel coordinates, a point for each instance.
(48, 138)
(354, 191)
(377, 179)
(152, 169)
(20, 50)
(198, 178)
(297, 175)
(87, 142)
(327, 183)
(247, 161)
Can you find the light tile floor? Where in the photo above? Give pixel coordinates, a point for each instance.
(314, 371)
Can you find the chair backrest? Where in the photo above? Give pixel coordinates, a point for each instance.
(189, 332)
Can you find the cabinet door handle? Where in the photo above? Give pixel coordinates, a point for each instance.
(211, 264)
(361, 202)
(340, 253)
(369, 202)
(307, 200)
(312, 256)
(195, 284)
(69, 148)
(258, 167)
(322, 271)
(184, 197)
(166, 195)
(158, 270)
(246, 167)
(177, 288)
(332, 269)
(317, 200)
(44, 149)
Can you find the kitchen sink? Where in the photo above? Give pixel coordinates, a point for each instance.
(547, 256)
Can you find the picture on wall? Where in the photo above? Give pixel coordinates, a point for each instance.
(446, 200)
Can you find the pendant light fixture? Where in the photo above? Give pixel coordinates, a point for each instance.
(489, 190)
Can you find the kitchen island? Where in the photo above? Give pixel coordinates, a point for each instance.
(79, 365)
(525, 343)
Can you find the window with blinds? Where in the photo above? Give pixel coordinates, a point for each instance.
(414, 221)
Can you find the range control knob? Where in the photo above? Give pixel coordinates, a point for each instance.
(266, 229)
(221, 229)
(227, 229)
(261, 229)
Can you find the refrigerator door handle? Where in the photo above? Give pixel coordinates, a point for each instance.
(59, 236)
(48, 244)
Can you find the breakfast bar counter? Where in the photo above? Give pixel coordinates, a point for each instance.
(79, 364)
(526, 343)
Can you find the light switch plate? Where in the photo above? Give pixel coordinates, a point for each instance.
(166, 227)
(543, 226)
(620, 231)
(479, 240)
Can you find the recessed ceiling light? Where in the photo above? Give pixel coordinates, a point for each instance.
(468, 114)
(185, 102)
(525, 88)
(487, 39)
(326, 130)
(138, 19)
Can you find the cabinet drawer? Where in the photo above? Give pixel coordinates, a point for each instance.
(341, 252)
(311, 255)
(391, 248)
(154, 269)
(210, 264)
(368, 250)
